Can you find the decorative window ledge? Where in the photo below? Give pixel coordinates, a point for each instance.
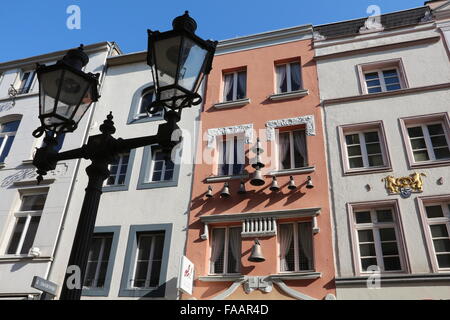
(20, 96)
(296, 275)
(144, 119)
(398, 278)
(155, 185)
(21, 258)
(367, 171)
(227, 178)
(430, 164)
(291, 171)
(213, 133)
(222, 278)
(308, 121)
(29, 161)
(232, 104)
(32, 182)
(289, 95)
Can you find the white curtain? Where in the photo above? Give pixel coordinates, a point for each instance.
(300, 144)
(305, 239)
(281, 77)
(296, 78)
(228, 88)
(235, 247)
(286, 233)
(218, 242)
(283, 148)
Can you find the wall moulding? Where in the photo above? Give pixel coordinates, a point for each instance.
(247, 129)
(274, 124)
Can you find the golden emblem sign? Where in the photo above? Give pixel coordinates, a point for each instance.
(404, 185)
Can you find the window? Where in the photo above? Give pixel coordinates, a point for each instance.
(288, 77)
(7, 133)
(98, 260)
(26, 82)
(235, 86)
(27, 222)
(364, 150)
(429, 142)
(60, 140)
(162, 167)
(438, 220)
(292, 149)
(296, 247)
(147, 267)
(377, 238)
(226, 250)
(147, 98)
(382, 80)
(231, 155)
(118, 171)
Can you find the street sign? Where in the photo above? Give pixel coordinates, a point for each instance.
(186, 277)
(44, 285)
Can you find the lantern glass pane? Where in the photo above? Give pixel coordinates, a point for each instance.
(84, 106)
(48, 90)
(167, 54)
(191, 64)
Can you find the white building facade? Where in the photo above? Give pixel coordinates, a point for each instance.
(32, 216)
(140, 231)
(384, 86)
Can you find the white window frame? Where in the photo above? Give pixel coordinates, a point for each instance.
(23, 84)
(139, 114)
(363, 146)
(28, 215)
(295, 236)
(150, 258)
(103, 237)
(438, 221)
(376, 238)
(120, 164)
(6, 136)
(382, 80)
(240, 140)
(289, 77)
(427, 138)
(291, 148)
(225, 252)
(235, 85)
(149, 179)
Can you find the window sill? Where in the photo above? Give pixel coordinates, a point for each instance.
(144, 119)
(289, 172)
(296, 275)
(158, 292)
(20, 96)
(115, 188)
(430, 164)
(20, 258)
(227, 178)
(232, 104)
(222, 278)
(367, 171)
(29, 161)
(289, 95)
(156, 185)
(2, 165)
(32, 182)
(395, 278)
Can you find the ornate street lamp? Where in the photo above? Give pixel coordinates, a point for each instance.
(65, 93)
(179, 61)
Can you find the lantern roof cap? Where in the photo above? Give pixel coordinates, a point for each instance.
(184, 22)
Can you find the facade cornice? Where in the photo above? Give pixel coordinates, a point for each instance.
(265, 39)
(373, 96)
(381, 47)
(427, 277)
(134, 57)
(49, 57)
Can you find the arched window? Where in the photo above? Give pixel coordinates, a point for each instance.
(7, 133)
(148, 96)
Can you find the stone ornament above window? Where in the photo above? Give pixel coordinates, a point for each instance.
(247, 129)
(310, 129)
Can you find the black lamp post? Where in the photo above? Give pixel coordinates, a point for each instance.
(179, 61)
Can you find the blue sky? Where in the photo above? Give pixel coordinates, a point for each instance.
(29, 27)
